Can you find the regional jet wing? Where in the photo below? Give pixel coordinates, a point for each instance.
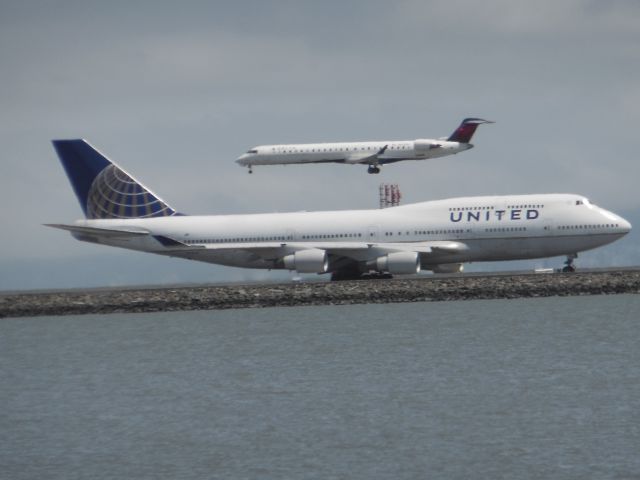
(365, 157)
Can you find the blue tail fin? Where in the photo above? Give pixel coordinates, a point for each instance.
(104, 190)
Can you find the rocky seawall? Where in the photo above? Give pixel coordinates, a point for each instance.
(417, 289)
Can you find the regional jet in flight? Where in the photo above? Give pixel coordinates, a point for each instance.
(436, 235)
(372, 154)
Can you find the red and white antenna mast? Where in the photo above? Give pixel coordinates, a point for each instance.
(390, 195)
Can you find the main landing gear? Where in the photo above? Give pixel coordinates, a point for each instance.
(352, 272)
(569, 267)
(341, 276)
(373, 169)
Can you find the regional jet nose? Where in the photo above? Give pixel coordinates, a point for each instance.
(625, 225)
(242, 159)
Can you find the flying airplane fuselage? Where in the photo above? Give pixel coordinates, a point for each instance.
(350, 152)
(374, 154)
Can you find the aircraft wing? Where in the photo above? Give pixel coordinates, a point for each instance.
(339, 252)
(431, 250)
(365, 157)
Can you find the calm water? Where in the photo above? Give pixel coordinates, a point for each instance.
(539, 388)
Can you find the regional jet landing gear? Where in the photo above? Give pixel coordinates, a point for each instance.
(373, 169)
(569, 267)
(250, 170)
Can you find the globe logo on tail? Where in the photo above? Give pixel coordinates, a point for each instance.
(115, 194)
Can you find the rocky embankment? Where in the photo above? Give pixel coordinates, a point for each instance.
(421, 289)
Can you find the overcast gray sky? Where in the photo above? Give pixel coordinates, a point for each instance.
(175, 91)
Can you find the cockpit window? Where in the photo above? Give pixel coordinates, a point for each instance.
(252, 151)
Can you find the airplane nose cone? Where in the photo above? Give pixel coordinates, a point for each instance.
(242, 159)
(625, 225)
(622, 226)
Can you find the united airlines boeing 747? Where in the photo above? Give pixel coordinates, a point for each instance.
(372, 154)
(435, 235)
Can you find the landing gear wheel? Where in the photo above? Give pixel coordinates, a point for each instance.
(373, 169)
(250, 171)
(569, 267)
(341, 276)
(376, 276)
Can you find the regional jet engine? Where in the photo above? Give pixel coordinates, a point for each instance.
(423, 146)
(307, 261)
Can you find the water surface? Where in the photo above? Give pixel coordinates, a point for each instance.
(531, 388)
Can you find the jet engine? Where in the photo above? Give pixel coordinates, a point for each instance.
(448, 268)
(422, 146)
(399, 262)
(307, 261)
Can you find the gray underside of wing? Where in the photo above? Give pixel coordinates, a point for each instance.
(262, 254)
(354, 251)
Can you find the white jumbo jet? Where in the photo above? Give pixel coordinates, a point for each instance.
(436, 235)
(372, 154)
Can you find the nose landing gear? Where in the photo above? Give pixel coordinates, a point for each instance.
(569, 267)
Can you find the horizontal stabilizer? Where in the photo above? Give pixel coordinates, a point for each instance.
(105, 232)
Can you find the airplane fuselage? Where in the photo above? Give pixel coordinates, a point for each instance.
(442, 232)
(351, 152)
(374, 154)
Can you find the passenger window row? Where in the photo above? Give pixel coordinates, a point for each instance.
(236, 240)
(573, 227)
(506, 229)
(464, 209)
(332, 235)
